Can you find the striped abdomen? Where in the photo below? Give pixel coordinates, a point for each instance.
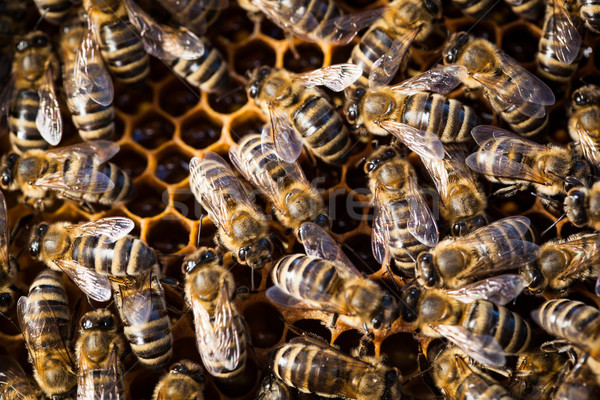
(127, 257)
(590, 12)
(215, 364)
(502, 249)
(449, 119)
(54, 11)
(492, 172)
(47, 296)
(528, 9)
(476, 387)
(102, 377)
(322, 129)
(194, 14)
(573, 321)
(520, 123)
(306, 13)
(474, 8)
(371, 47)
(24, 134)
(507, 328)
(209, 72)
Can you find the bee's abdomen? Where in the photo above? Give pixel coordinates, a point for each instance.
(209, 72)
(528, 9)
(590, 13)
(372, 46)
(123, 186)
(24, 134)
(123, 51)
(47, 296)
(55, 11)
(474, 8)
(403, 246)
(217, 364)
(520, 123)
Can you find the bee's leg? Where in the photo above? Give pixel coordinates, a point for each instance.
(290, 39)
(87, 207)
(507, 191)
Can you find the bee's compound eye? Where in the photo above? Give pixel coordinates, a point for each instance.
(390, 377)
(458, 228)
(432, 7)
(389, 154)
(376, 323)
(253, 91)
(580, 99)
(108, 322)
(209, 255)
(40, 41)
(243, 253)
(352, 115)
(86, 324)
(6, 300)
(6, 177)
(263, 72)
(322, 220)
(189, 266)
(179, 369)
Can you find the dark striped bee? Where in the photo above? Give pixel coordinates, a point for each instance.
(220, 329)
(8, 263)
(499, 246)
(299, 113)
(528, 9)
(45, 320)
(312, 366)
(295, 200)
(327, 280)
(589, 11)
(472, 317)
(119, 41)
(184, 381)
(79, 172)
(584, 118)
(518, 95)
(54, 11)
(86, 80)
(196, 15)
(99, 350)
(14, 383)
(537, 373)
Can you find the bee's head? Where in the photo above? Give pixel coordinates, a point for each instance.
(410, 299)
(37, 236)
(380, 157)
(426, 272)
(352, 105)
(455, 47)
(255, 255)
(98, 320)
(387, 312)
(200, 258)
(257, 78)
(575, 206)
(584, 96)
(461, 228)
(189, 368)
(8, 170)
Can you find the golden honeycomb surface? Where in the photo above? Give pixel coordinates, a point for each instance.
(164, 123)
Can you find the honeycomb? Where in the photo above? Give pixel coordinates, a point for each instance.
(165, 122)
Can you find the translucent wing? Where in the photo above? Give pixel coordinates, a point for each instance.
(442, 79)
(562, 34)
(335, 77)
(385, 67)
(347, 26)
(499, 290)
(48, 120)
(3, 233)
(425, 144)
(530, 87)
(85, 180)
(421, 223)
(588, 146)
(110, 228)
(584, 252)
(380, 235)
(101, 150)
(319, 244)
(137, 301)
(163, 41)
(323, 301)
(482, 348)
(11, 372)
(288, 142)
(89, 387)
(95, 286)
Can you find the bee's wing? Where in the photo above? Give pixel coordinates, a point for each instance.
(441, 79)
(498, 289)
(335, 77)
(95, 286)
(318, 243)
(111, 228)
(48, 119)
(347, 26)
(326, 302)
(4, 262)
(89, 387)
(380, 234)
(163, 41)
(220, 339)
(588, 146)
(85, 180)
(439, 171)
(385, 67)
(101, 150)
(11, 372)
(482, 348)
(421, 223)
(566, 40)
(424, 143)
(286, 140)
(439, 174)
(583, 255)
(209, 177)
(137, 301)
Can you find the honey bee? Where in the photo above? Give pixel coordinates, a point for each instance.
(272, 388)
(506, 158)
(79, 172)
(54, 11)
(99, 350)
(499, 246)
(528, 9)
(588, 11)
(14, 384)
(581, 206)
(87, 82)
(119, 41)
(327, 280)
(196, 15)
(472, 317)
(94, 253)
(184, 381)
(339, 375)
(584, 110)
(220, 330)
(581, 382)
(537, 373)
(518, 95)
(459, 379)
(34, 118)
(143, 310)
(242, 228)
(8, 263)
(403, 225)
(300, 113)
(463, 199)
(44, 318)
(295, 200)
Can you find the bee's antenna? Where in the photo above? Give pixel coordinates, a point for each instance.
(230, 92)
(548, 199)
(199, 231)
(39, 21)
(554, 224)
(10, 320)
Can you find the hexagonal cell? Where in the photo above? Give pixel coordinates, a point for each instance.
(520, 43)
(177, 97)
(253, 55)
(345, 211)
(172, 165)
(358, 249)
(324, 175)
(401, 352)
(230, 101)
(341, 54)
(483, 29)
(131, 161)
(235, 28)
(312, 326)
(245, 125)
(133, 100)
(200, 131)
(265, 324)
(148, 201)
(309, 57)
(350, 340)
(152, 130)
(185, 203)
(270, 29)
(143, 385)
(158, 69)
(168, 235)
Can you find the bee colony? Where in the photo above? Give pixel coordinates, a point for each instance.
(507, 154)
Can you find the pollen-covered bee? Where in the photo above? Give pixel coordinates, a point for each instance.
(463, 199)
(472, 317)
(518, 95)
(14, 383)
(8, 263)
(184, 381)
(536, 374)
(220, 329)
(243, 228)
(403, 225)
(87, 82)
(300, 113)
(499, 246)
(45, 320)
(339, 375)
(34, 118)
(295, 200)
(118, 40)
(79, 172)
(99, 350)
(327, 280)
(584, 119)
